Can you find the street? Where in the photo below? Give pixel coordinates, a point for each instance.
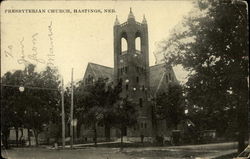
(173, 152)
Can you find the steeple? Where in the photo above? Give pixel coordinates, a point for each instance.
(131, 15)
(144, 21)
(117, 21)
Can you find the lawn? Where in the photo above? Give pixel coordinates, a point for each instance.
(230, 156)
(103, 153)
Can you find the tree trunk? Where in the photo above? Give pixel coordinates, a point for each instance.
(36, 137)
(154, 122)
(95, 135)
(121, 137)
(242, 126)
(5, 138)
(78, 129)
(107, 131)
(20, 139)
(242, 112)
(29, 136)
(16, 137)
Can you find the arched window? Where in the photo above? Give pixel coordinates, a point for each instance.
(138, 44)
(120, 80)
(124, 43)
(140, 102)
(89, 80)
(126, 87)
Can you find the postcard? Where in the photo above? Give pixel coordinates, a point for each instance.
(92, 79)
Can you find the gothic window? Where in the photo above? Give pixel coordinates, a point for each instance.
(138, 42)
(137, 79)
(89, 80)
(142, 70)
(141, 125)
(140, 102)
(120, 80)
(170, 77)
(124, 43)
(145, 125)
(137, 68)
(126, 87)
(143, 88)
(126, 69)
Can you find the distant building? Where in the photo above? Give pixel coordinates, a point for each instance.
(140, 82)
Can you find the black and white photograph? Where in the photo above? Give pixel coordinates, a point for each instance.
(125, 79)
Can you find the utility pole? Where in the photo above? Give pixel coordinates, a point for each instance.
(63, 117)
(71, 112)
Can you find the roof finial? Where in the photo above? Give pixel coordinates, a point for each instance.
(144, 21)
(117, 21)
(131, 15)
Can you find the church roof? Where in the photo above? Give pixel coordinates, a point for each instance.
(157, 75)
(99, 71)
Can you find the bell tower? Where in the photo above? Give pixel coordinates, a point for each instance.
(131, 67)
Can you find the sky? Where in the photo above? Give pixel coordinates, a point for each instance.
(71, 40)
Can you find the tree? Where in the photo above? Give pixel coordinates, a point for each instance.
(12, 110)
(33, 107)
(125, 115)
(43, 103)
(112, 97)
(213, 46)
(94, 104)
(170, 105)
(91, 104)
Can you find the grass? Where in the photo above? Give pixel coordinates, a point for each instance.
(230, 156)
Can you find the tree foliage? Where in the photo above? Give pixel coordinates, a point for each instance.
(170, 105)
(99, 103)
(94, 103)
(212, 43)
(33, 107)
(124, 115)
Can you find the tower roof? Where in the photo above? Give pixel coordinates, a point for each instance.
(131, 15)
(144, 21)
(117, 21)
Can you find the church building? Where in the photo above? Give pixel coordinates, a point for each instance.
(140, 82)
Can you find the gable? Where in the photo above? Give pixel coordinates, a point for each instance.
(160, 76)
(98, 71)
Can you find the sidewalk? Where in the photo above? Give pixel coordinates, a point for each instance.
(84, 145)
(216, 146)
(98, 143)
(204, 151)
